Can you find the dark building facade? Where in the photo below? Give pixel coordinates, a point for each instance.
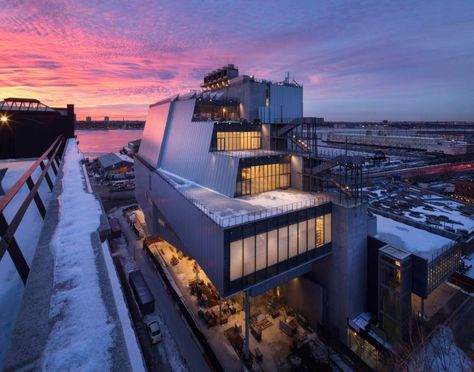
(28, 127)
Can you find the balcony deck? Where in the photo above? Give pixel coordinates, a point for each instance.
(227, 212)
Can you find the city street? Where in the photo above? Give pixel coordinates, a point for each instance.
(164, 303)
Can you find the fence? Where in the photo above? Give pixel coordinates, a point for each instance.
(50, 159)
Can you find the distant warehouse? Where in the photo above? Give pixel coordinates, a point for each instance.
(114, 163)
(28, 127)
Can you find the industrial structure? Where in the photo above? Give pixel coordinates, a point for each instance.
(430, 144)
(27, 127)
(115, 163)
(232, 177)
(223, 176)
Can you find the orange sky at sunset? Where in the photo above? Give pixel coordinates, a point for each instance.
(373, 61)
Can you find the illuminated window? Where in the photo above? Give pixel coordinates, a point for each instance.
(327, 228)
(236, 260)
(282, 244)
(311, 234)
(275, 246)
(267, 177)
(236, 141)
(293, 240)
(319, 231)
(249, 255)
(261, 251)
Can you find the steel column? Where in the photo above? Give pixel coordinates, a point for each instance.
(247, 324)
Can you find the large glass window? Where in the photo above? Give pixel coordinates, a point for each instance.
(236, 260)
(319, 231)
(263, 250)
(235, 141)
(293, 241)
(267, 177)
(302, 238)
(327, 228)
(311, 233)
(272, 247)
(282, 244)
(249, 255)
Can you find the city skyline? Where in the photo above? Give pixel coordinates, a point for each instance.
(370, 61)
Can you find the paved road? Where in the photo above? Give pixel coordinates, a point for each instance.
(183, 336)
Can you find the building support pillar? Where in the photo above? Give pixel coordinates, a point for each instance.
(247, 324)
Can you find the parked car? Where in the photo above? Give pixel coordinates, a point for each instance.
(154, 331)
(141, 292)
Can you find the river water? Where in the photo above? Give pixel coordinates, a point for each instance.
(97, 142)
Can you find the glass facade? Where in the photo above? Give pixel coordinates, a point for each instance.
(443, 266)
(394, 296)
(261, 178)
(235, 141)
(268, 248)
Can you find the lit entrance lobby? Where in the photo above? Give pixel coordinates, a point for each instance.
(280, 337)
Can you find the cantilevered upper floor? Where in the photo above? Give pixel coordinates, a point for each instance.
(209, 183)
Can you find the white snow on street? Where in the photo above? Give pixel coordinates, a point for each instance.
(81, 335)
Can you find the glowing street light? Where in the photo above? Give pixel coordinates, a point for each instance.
(3, 119)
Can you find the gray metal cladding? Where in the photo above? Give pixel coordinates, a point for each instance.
(185, 151)
(286, 103)
(202, 238)
(153, 133)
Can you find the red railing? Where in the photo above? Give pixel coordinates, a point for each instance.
(50, 159)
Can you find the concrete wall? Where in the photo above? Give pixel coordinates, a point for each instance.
(296, 163)
(344, 273)
(306, 297)
(266, 139)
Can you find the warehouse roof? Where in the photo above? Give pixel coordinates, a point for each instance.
(113, 159)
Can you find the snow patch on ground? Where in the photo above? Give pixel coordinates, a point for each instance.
(442, 355)
(81, 336)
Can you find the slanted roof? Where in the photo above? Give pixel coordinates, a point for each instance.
(113, 159)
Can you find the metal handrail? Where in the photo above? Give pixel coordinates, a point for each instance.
(7, 230)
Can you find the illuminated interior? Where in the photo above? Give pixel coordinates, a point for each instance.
(234, 141)
(261, 178)
(263, 250)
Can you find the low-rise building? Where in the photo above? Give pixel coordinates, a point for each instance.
(114, 163)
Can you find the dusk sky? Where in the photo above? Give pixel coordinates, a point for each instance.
(366, 60)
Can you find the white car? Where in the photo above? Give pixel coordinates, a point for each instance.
(154, 331)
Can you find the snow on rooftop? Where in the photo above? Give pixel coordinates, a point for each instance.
(411, 239)
(228, 211)
(81, 336)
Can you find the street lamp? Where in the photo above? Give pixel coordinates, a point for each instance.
(3, 119)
